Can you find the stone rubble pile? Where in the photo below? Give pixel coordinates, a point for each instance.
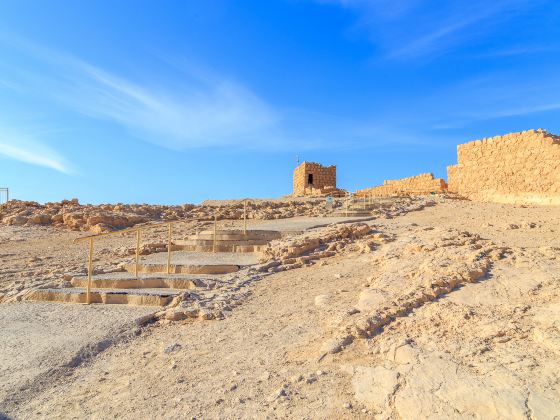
(304, 249)
(109, 217)
(262, 210)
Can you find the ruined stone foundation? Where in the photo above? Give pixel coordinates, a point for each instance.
(518, 168)
(422, 184)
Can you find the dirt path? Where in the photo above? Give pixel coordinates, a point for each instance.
(40, 340)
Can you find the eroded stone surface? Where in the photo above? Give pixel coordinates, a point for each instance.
(519, 168)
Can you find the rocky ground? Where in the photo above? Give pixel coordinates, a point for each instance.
(451, 311)
(109, 217)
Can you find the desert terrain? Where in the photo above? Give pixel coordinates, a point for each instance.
(431, 308)
(295, 209)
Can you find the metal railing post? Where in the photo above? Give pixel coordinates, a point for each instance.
(214, 241)
(137, 252)
(169, 251)
(346, 206)
(90, 272)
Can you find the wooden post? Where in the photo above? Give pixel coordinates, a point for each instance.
(137, 252)
(215, 228)
(169, 251)
(245, 217)
(90, 272)
(7, 191)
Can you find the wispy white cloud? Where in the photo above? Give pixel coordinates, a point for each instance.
(412, 29)
(495, 96)
(439, 39)
(515, 109)
(205, 113)
(194, 107)
(184, 110)
(518, 50)
(25, 148)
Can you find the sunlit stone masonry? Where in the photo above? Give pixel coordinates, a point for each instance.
(312, 178)
(519, 168)
(422, 184)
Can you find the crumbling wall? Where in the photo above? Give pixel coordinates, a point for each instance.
(519, 168)
(422, 184)
(324, 179)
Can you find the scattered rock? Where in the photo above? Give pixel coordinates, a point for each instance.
(335, 345)
(281, 392)
(322, 300)
(171, 348)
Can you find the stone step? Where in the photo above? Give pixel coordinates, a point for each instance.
(219, 248)
(182, 268)
(193, 262)
(238, 235)
(142, 297)
(368, 207)
(229, 242)
(352, 213)
(126, 280)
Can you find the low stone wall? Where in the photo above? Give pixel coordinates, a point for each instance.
(422, 184)
(518, 168)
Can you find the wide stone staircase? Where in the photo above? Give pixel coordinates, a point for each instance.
(357, 208)
(227, 241)
(195, 262)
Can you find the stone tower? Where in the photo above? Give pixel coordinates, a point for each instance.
(313, 178)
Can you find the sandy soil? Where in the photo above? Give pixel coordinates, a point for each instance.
(57, 338)
(457, 317)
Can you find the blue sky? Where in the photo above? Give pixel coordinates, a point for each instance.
(179, 101)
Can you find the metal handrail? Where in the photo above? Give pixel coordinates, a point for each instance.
(130, 229)
(138, 229)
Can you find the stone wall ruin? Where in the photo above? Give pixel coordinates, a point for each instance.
(517, 168)
(422, 184)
